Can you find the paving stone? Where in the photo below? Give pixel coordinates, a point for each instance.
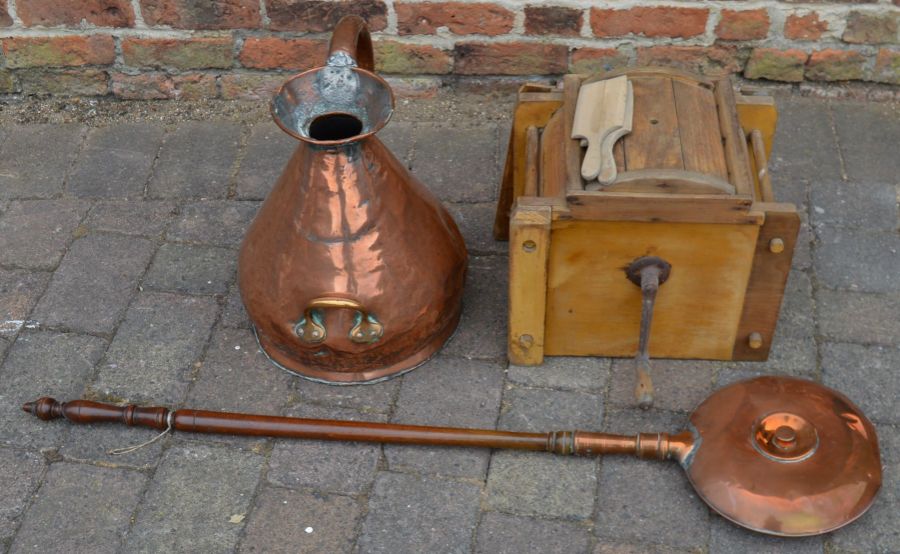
(868, 137)
(80, 508)
(408, 513)
(476, 222)
(803, 247)
(867, 375)
(505, 534)
(234, 314)
(679, 385)
(373, 398)
(43, 364)
(788, 356)
(339, 467)
(21, 473)
(268, 151)
(191, 269)
(154, 350)
(856, 317)
(209, 486)
(457, 164)
(92, 444)
(19, 291)
(116, 161)
(805, 149)
(630, 420)
(286, 521)
(541, 484)
(797, 316)
(447, 392)
(195, 160)
(871, 206)
(399, 137)
(482, 328)
(543, 410)
(611, 547)
(28, 168)
(33, 234)
(858, 260)
(562, 372)
(726, 537)
(876, 530)
(656, 494)
(96, 279)
(214, 222)
(148, 218)
(237, 377)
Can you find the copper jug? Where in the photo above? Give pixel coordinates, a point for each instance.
(352, 270)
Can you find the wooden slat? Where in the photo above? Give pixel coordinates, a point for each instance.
(656, 207)
(701, 138)
(532, 167)
(736, 155)
(768, 278)
(571, 147)
(532, 109)
(529, 247)
(654, 141)
(553, 163)
(669, 181)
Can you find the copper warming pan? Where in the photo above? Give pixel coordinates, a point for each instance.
(352, 271)
(778, 455)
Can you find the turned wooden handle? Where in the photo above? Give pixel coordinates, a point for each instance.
(87, 411)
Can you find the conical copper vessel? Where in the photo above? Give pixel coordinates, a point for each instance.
(352, 270)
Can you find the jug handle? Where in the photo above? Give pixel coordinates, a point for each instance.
(311, 327)
(351, 36)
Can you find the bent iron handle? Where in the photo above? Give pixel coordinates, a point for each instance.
(311, 327)
(351, 36)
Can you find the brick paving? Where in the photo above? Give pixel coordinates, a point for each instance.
(117, 281)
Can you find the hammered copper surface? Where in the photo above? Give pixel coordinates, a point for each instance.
(352, 271)
(824, 474)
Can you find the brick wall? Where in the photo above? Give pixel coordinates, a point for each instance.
(243, 48)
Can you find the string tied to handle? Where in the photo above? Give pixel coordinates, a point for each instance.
(170, 422)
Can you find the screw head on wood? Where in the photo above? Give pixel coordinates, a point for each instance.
(776, 246)
(526, 340)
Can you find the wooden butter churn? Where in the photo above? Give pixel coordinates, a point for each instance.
(690, 190)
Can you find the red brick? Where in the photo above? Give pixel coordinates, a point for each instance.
(191, 53)
(871, 28)
(102, 13)
(5, 19)
(887, 67)
(776, 65)
(250, 86)
(66, 82)
(283, 53)
(462, 19)
(59, 51)
(597, 60)
(319, 16)
(160, 86)
(510, 58)
(553, 20)
(202, 14)
(706, 60)
(743, 24)
(398, 58)
(804, 27)
(834, 65)
(658, 21)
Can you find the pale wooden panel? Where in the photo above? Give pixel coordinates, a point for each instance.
(553, 162)
(654, 141)
(701, 137)
(532, 168)
(529, 245)
(592, 309)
